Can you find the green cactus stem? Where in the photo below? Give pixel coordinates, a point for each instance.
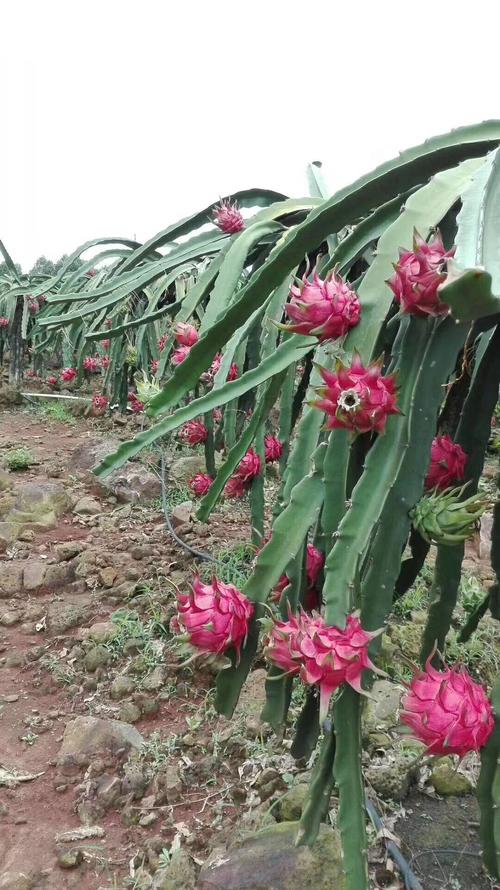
(321, 785)
(488, 793)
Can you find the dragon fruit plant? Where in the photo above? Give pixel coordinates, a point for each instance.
(368, 318)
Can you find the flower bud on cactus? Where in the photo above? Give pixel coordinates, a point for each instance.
(200, 484)
(326, 309)
(4, 322)
(216, 616)
(445, 518)
(323, 656)
(447, 711)
(417, 276)
(194, 432)
(228, 217)
(186, 334)
(273, 449)
(357, 398)
(447, 465)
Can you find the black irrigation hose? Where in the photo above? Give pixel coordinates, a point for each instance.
(198, 554)
(410, 879)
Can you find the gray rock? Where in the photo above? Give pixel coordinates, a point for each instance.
(11, 579)
(15, 880)
(381, 710)
(85, 737)
(129, 712)
(102, 631)
(155, 680)
(447, 782)
(392, 780)
(179, 874)
(270, 860)
(62, 616)
(108, 791)
(59, 575)
(68, 550)
(87, 506)
(34, 574)
(181, 514)
(69, 858)
(130, 484)
(97, 657)
(121, 687)
(173, 783)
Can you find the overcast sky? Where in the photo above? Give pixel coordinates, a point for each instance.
(120, 117)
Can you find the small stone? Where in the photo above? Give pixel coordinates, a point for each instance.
(15, 880)
(102, 631)
(27, 535)
(9, 619)
(121, 687)
(10, 698)
(108, 790)
(181, 514)
(87, 506)
(173, 783)
(148, 819)
(179, 874)
(129, 712)
(447, 782)
(68, 550)
(108, 576)
(69, 858)
(291, 805)
(156, 679)
(96, 658)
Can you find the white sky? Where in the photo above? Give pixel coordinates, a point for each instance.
(120, 117)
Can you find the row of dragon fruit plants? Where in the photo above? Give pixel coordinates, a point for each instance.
(369, 320)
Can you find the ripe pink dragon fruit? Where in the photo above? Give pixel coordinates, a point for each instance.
(357, 398)
(273, 449)
(327, 308)
(4, 322)
(228, 217)
(217, 415)
(68, 374)
(315, 561)
(52, 380)
(105, 362)
(323, 656)
(91, 364)
(447, 711)
(214, 367)
(99, 403)
(234, 372)
(250, 466)
(180, 355)
(447, 465)
(194, 432)
(162, 342)
(236, 487)
(200, 484)
(33, 305)
(155, 364)
(216, 616)
(105, 344)
(186, 334)
(417, 276)
(136, 406)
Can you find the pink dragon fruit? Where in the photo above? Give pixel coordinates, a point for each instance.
(250, 466)
(136, 406)
(323, 656)
(180, 355)
(91, 364)
(273, 449)
(200, 484)
(162, 342)
(33, 305)
(217, 415)
(186, 334)
(68, 374)
(447, 465)
(447, 711)
(315, 561)
(105, 362)
(417, 276)
(216, 616)
(155, 364)
(194, 432)
(99, 403)
(236, 487)
(228, 218)
(357, 398)
(4, 322)
(214, 367)
(52, 380)
(234, 372)
(106, 344)
(327, 308)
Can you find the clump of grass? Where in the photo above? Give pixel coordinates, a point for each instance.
(19, 459)
(233, 566)
(158, 750)
(57, 412)
(147, 634)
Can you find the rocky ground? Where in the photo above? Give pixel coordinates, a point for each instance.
(115, 771)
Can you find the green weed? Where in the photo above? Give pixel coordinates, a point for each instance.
(19, 459)
(58, 413)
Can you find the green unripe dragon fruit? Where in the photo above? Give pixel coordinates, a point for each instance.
(444, 518)
(146, 389)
